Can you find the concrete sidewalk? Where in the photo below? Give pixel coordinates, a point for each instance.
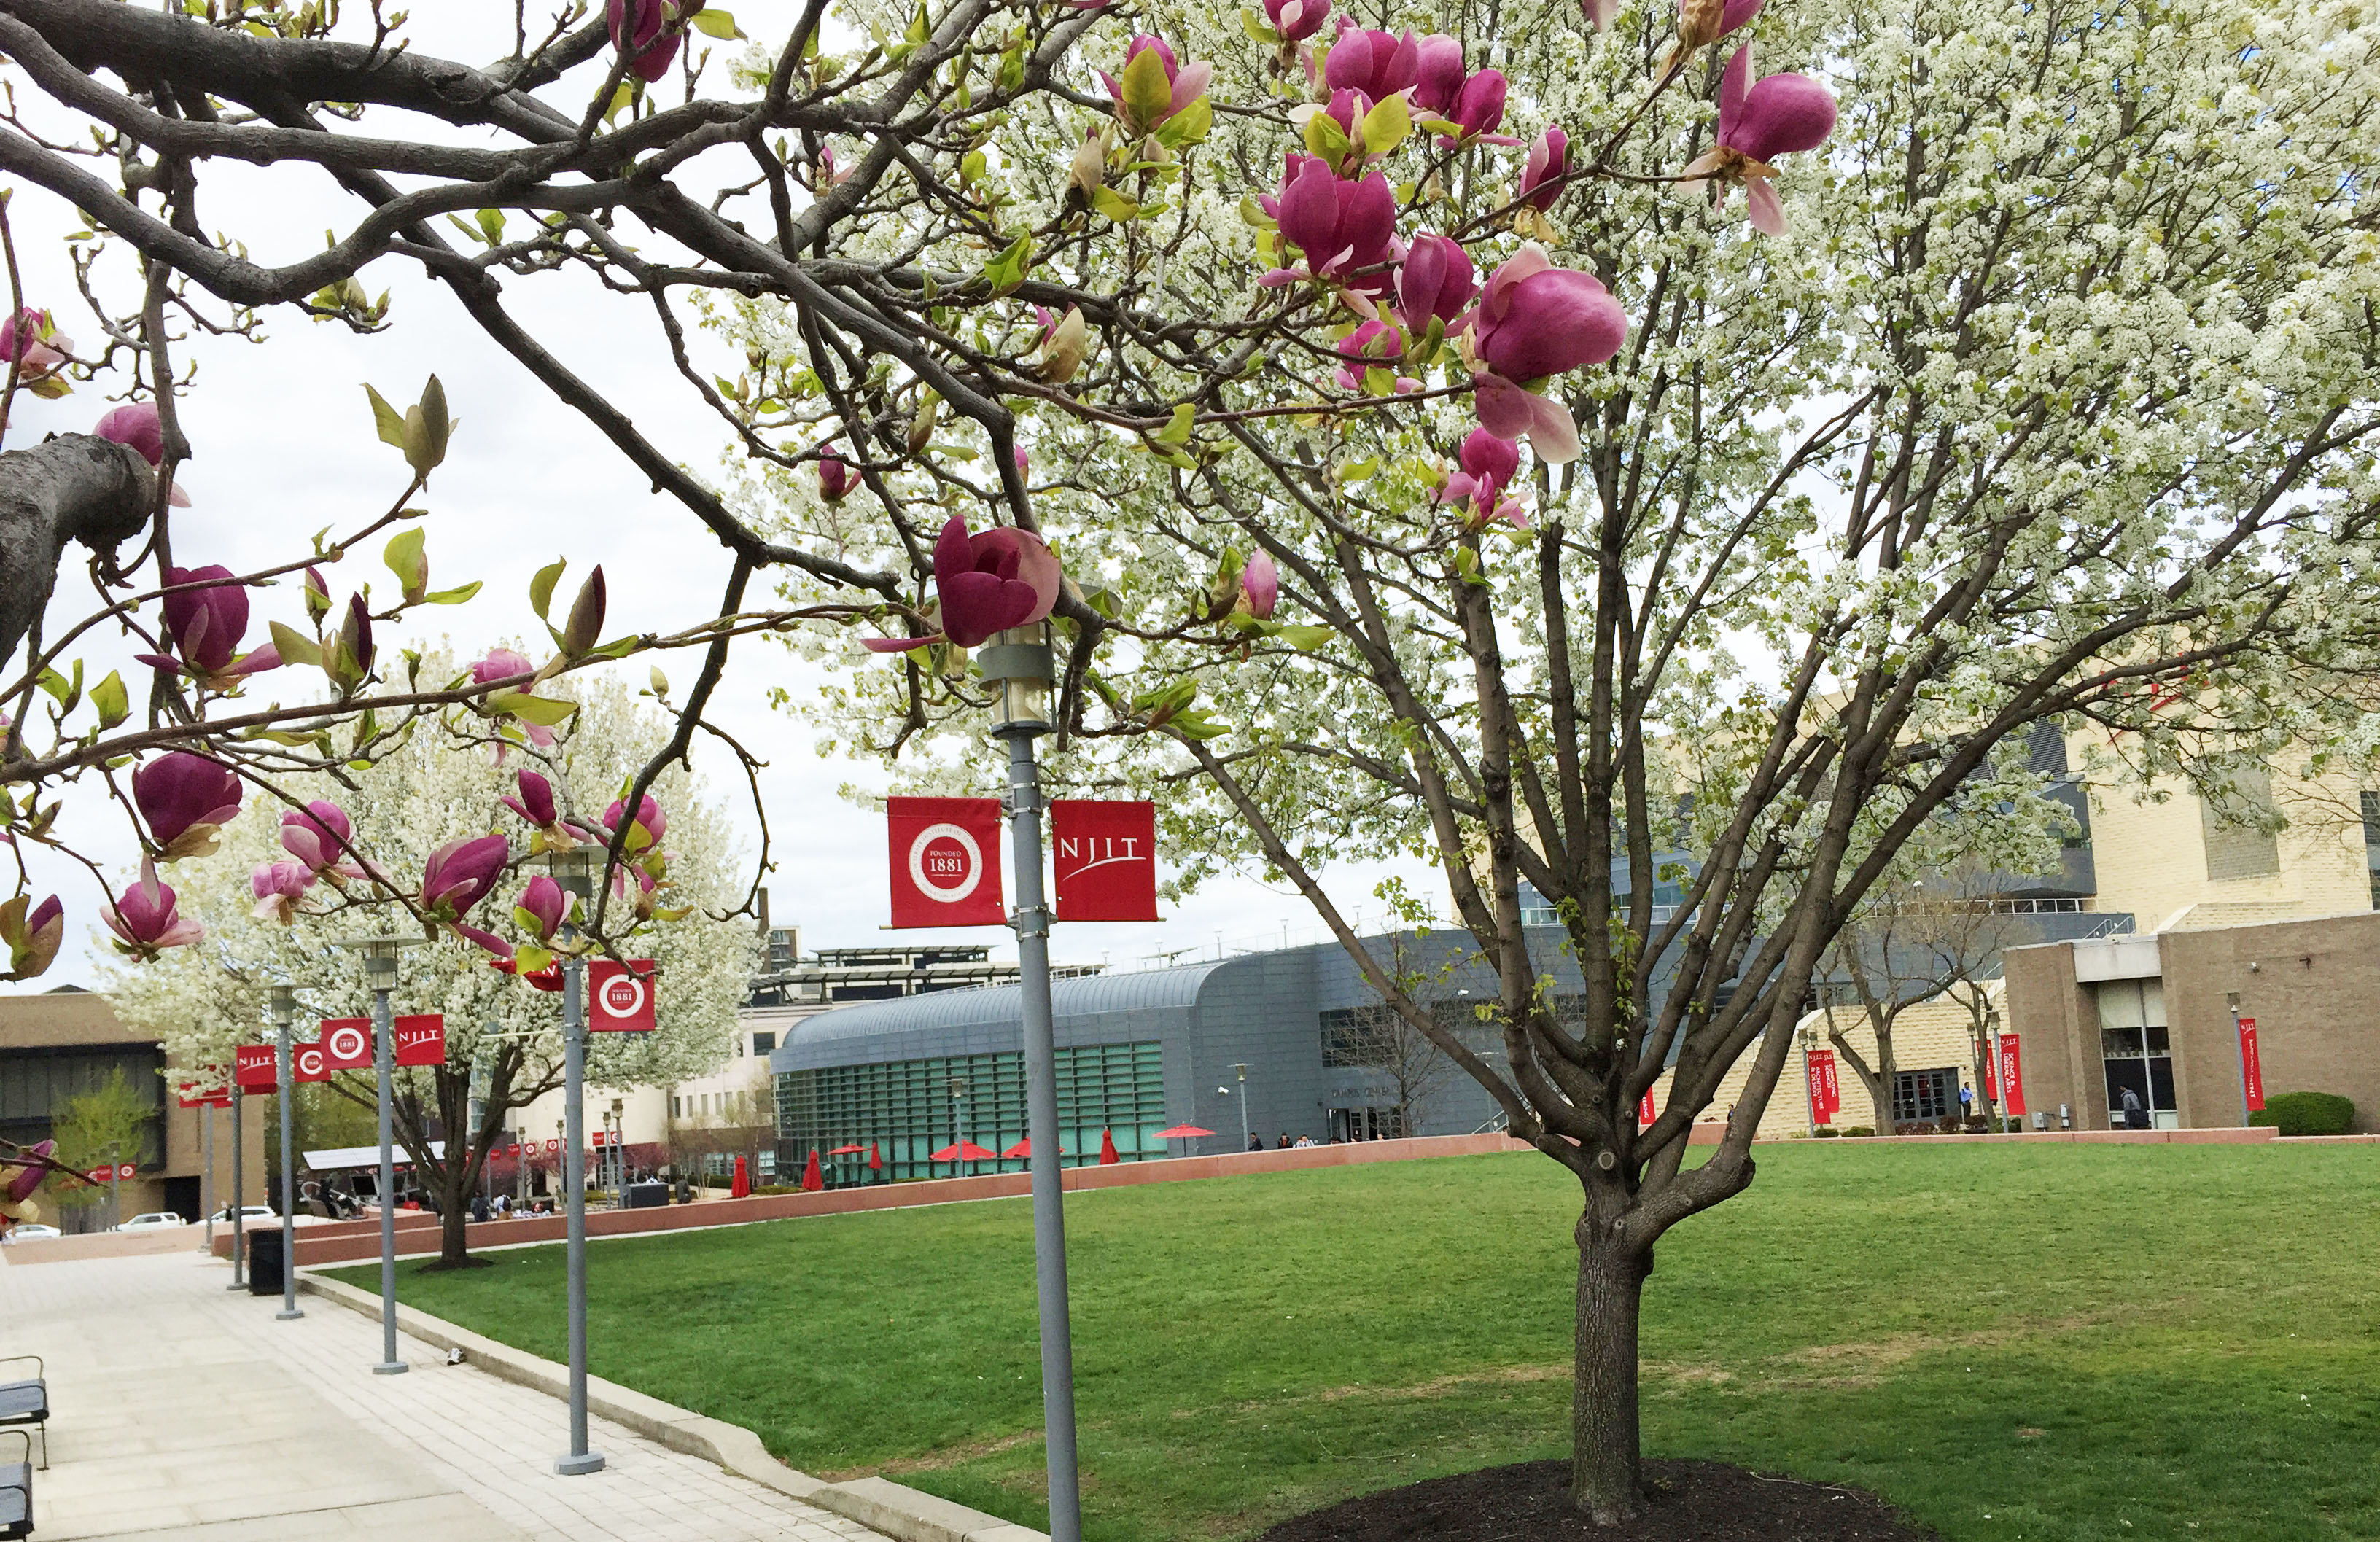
(183, 1411)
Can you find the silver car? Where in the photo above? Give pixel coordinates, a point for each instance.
(155, 1221)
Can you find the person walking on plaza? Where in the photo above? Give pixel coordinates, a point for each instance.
(2136, 1116)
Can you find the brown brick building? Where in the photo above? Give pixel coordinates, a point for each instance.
(2155, 1014)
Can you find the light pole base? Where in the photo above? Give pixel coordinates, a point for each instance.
(390, 1367)
(290, 1316)
(579, 1466)
(236, 1285)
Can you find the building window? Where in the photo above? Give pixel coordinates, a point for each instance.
(2239, 842)
(763, 1043)
(905, 1111)
(1925, 1095)
(2136, 1051)
(2372, 842)
(675, 1107)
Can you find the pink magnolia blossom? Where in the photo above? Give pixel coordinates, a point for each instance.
(1489, 464)
(145, 917)
(1342, 226)
(541, 908)
(1541, 173)
(1377, 64)
(639, 35)
(138, 427)
(1707, 21)
(987, 583)
(1757, 123)
(320, 835)
(1189, 82)
(184, 798)
(1479, 106)
(1260, 586)
(650, 818)
(1435, 279)
(26, 1176)
(33, 344)
(1437, 73)
(1373, 343)
(1536, 321)
(503, 663)
(278, 886)
(206, 625)
(459, 874)
(1296, 20)
(33, 939)
(834, 476)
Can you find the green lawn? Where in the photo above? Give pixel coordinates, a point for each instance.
(2059, 1343)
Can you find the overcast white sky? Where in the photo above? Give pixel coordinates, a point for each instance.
(283, 445)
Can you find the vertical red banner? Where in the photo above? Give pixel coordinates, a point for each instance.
(253, 1067)
(945, 859)
(1105, 858)
(2012, 1076)
(1645, 1114)
(621, 995)
(346, 1043)
(1825, 1094)
(420, 1039)
(2252, 1068)
(306, 1063)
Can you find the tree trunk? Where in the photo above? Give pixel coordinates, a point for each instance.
(74, 487)
(1886, 1067)
(454, 1209)
(1607, 1481)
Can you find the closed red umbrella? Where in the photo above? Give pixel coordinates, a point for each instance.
(742, 1185)
(875, 1159)
(1108, 1157)
(812, 1179)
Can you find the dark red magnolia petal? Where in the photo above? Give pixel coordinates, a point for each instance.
(976, 605)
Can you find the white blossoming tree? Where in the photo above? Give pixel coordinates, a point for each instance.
(203, 1000)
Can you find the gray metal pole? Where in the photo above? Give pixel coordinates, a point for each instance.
(384, 1060)
(207, 1177)
(579, 1460)
(237, 1184)
(1245, 1140)
(1032, 923)
(289, 1311)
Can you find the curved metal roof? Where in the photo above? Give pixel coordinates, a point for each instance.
(994, 1006)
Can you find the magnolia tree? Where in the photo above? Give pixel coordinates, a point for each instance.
(273, 900)
(1529, 435)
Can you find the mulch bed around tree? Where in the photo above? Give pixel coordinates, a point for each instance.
(1692, 1502)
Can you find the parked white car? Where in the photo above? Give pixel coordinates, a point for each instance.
(155, 1221)
(30, 1230)
(247, 1213)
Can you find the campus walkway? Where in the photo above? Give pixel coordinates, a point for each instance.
(182, 1410)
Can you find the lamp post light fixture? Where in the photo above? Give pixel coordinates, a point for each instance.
(1021, 667)
(281, 1011)
(574, 869)
(1247, 1140)
(379, 977)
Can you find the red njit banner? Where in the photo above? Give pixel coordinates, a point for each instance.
(622, 996)
(1105, 857)
(346, 1043)
(945, 853)
(209, 1089)
(252, 1068)
(2252, 1067)
(1825, 1091)
(1645, 1114)
(422, 1039)
(2011, 1076)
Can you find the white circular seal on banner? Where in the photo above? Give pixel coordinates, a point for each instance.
(346, 1044)
(948, 893)
(309, 1062)
(621, 995)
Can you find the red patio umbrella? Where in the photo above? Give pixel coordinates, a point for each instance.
(1108, 1157)
(875, 1159)
(846, 1150)
(965, 1151)
(1183, 1131)
(1025, 1149)
(812, 1179)
(742, 1185)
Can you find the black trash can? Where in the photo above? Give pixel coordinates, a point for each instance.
(264, 1262)
(644, 1196)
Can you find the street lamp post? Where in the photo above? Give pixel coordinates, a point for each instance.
(207, 1178)
(1021, 669)
(380, 978)
(281, 1010)
(575, 870)
(958, 1127)
(1246, 1141)
(238, 1186)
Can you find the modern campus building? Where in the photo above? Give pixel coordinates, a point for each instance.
(60, 1044)
(1284, 1042)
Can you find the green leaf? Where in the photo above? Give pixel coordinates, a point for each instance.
(450, 596)
(1257, 27)
(295, 647)
(1007, 271)
(282, 737)
(540, 589)
(1190, 125)
(1325, 137)
(1178, 430)
(492, 224)
(1307, 638)
(713, 22)
(1146, 91)
(1386, 125)
(529, 958)
(404, 557)
(390, 421)
(1115, 205)
(63, 693)
(108, 699)
(538, 709)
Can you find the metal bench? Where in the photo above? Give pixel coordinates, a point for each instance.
(28, 1402)
(17, 1492)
